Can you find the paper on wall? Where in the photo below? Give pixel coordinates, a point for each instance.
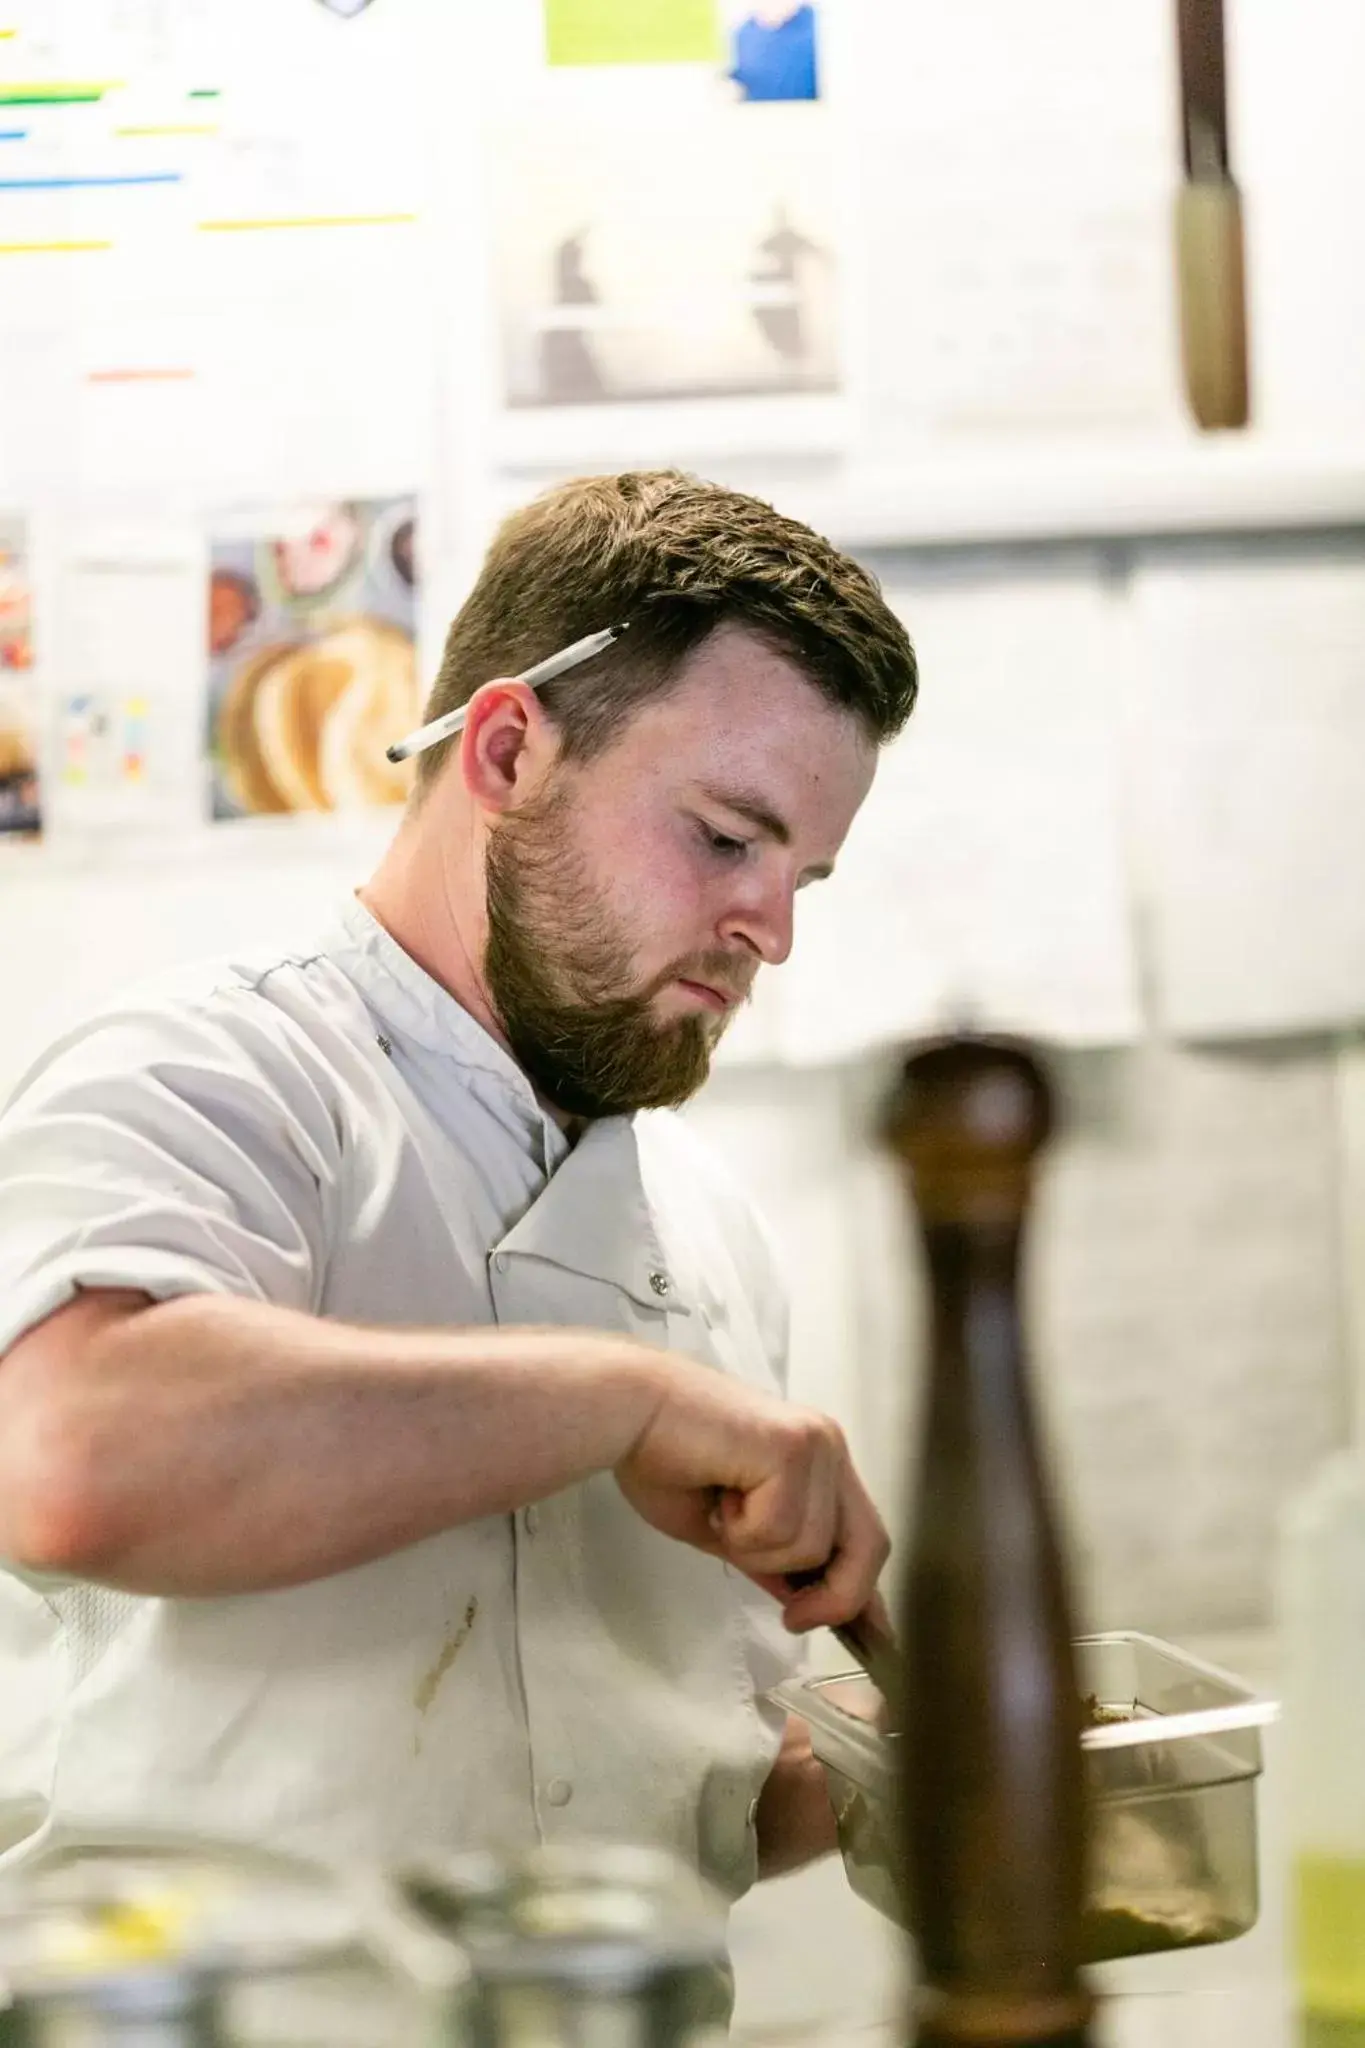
(1250, 777)
(125, 688)
(620, 32)
(665, 237)
(1186, 1313)
(20, 800)
(985, 878)
(1018, 166)
(215, 230)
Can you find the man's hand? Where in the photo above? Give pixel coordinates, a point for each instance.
(766, 1485)
(214, 1445)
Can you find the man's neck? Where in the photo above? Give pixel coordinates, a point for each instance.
(430, 915)
(430, 909)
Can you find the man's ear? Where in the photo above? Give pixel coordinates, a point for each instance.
(507, 746)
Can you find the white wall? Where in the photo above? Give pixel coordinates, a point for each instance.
(1185, 1303)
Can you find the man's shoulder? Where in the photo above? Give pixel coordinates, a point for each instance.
(221, 983)
(268, 1010)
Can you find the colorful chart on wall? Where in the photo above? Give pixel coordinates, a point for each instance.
(128, 124)
(666, 212)
(312, 664)
(187, 188)
(20, 810)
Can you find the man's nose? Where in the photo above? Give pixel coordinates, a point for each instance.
(764, 925)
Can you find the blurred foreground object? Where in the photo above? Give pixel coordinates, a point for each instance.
(153, 1941)
(594, 1943)
(1322, 1627)
(1209, 242)
(127, 1941)
(994, 1823)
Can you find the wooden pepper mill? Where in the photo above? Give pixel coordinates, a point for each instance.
(993, 1825)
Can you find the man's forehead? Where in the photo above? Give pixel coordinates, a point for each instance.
(743, 715)
(738, 689)
(779, 754)
(732, 648)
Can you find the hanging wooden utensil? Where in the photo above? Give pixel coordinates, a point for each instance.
(1209, 240)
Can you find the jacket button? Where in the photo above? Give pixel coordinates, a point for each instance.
(530, 1520)
(500, 1262)
(659, 1282)
(559, 1792)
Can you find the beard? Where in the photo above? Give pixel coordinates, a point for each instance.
(559, 976)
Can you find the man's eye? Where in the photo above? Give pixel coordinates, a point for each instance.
(722, 844)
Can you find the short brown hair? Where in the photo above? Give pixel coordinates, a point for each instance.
(675, 557)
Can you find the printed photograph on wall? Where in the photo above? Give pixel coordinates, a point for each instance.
(20, 809)
(312, 660)
(665, 209)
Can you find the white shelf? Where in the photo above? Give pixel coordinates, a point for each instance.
(1040, 489)
(1049, 492)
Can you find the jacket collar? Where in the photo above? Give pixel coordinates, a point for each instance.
(407, 1003)
(594, 1218)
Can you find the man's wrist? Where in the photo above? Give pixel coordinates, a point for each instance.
(795, 1820)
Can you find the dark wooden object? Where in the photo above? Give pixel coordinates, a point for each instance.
(1209, 240)
(994, 1816)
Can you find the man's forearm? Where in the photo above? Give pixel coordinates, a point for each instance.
(795, 1819)
(212, 1445)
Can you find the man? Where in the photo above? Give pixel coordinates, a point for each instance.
(392, 1445)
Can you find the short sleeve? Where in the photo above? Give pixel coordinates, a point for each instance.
(183, 1147)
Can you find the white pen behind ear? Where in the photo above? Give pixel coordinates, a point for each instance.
(542, 672)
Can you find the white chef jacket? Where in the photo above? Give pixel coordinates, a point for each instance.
(330, 1130)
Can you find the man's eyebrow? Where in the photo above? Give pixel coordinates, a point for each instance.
(764, 818)
(745, 805)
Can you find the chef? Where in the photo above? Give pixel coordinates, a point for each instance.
(393, 1444)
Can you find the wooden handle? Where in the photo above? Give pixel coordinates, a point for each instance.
(878, 1652)
(1213, 318)
(870, 1645)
